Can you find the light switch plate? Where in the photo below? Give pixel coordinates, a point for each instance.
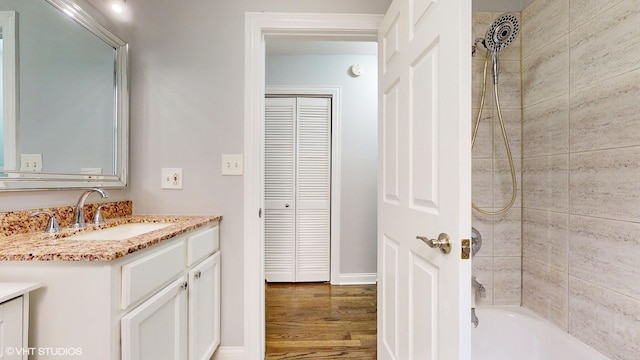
(171, 178)
(232, 164)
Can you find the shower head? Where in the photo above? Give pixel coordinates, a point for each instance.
(501, 33)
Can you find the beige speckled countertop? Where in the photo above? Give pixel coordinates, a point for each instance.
(44, 247)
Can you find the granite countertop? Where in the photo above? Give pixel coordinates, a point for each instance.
(45, 247)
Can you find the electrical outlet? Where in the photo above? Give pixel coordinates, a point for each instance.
(171, 178)
(232, 164)
(31, 162)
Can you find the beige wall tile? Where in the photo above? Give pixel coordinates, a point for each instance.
(483, 146)
(607, 114)
(483, 271)
(480, 23)
(513, 123)
(605, 183)
(582, 11)
(507, 233)
(545, 180)
(506, 280)
(477, 68)
(484, 224)
(503, 184)
(508, 84)
(545, 291)
(605, 320)
(482, 182)
(545, 237)
(545, 73)
(606, 252)
(603, 48)
(546, 127)
(543, 22)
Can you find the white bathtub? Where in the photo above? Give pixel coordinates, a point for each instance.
(515, 333)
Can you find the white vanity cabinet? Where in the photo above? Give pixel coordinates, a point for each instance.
(182, 320)
(159, 303)
(204, 319)
(14, 320)
(157, 328)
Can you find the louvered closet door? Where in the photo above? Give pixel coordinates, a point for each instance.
(279, 180)
(313, 189)
(297, 189)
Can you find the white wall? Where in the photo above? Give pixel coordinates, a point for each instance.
(359, 144)
(187, 109)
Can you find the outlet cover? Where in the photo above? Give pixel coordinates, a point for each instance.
(232, 164)
(31, 162)
(171, 178)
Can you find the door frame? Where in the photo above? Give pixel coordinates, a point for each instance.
(325, 26)
(332, 92)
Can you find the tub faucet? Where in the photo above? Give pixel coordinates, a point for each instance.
(481, 292)
(474, 318)
(78, 214)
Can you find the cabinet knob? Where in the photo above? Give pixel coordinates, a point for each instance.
(198, 274)
(184, 285)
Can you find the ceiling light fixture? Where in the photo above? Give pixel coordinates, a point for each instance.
(117, 6)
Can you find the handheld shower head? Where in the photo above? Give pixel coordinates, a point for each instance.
(502, 32)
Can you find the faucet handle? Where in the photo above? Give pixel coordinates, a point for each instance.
(52, 225)
(98, 219)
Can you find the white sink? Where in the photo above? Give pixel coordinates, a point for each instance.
(120, 232)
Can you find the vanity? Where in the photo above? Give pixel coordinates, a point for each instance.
(14, 319)
(150, 296)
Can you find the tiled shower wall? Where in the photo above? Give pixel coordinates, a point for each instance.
(498, 263)
(581, 169)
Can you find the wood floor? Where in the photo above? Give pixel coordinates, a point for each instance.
(320, 321)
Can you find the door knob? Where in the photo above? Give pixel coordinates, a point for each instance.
(442, 242)
(286, 205)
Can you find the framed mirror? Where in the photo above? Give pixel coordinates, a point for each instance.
(64, 109)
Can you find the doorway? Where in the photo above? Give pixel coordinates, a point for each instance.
(361, 27)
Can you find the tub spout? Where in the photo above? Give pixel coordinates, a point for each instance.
(481, 292)
(474, 318)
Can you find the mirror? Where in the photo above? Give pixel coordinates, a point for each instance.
(64, 98)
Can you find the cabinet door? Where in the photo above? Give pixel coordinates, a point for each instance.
(11, 328)
(204, 308)
(157, 328)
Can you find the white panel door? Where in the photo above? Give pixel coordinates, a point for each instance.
(279, 192)
(313, 189)
(11, 330)
(424, 187)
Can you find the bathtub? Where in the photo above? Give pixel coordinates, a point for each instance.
(515, 333)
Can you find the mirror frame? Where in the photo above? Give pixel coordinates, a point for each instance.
(21, 181)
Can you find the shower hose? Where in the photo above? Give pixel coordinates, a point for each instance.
(504, 137)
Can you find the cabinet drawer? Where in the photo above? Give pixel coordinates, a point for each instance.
(202, 244)
(146, 275)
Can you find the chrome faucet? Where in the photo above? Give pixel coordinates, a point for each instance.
(481, 292)
(78, 214)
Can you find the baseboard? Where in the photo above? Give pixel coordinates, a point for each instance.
(355, 279)
(229, 353)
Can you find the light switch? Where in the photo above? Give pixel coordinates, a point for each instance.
(232, 164)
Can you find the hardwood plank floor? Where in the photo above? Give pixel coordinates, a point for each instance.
(320, 321)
